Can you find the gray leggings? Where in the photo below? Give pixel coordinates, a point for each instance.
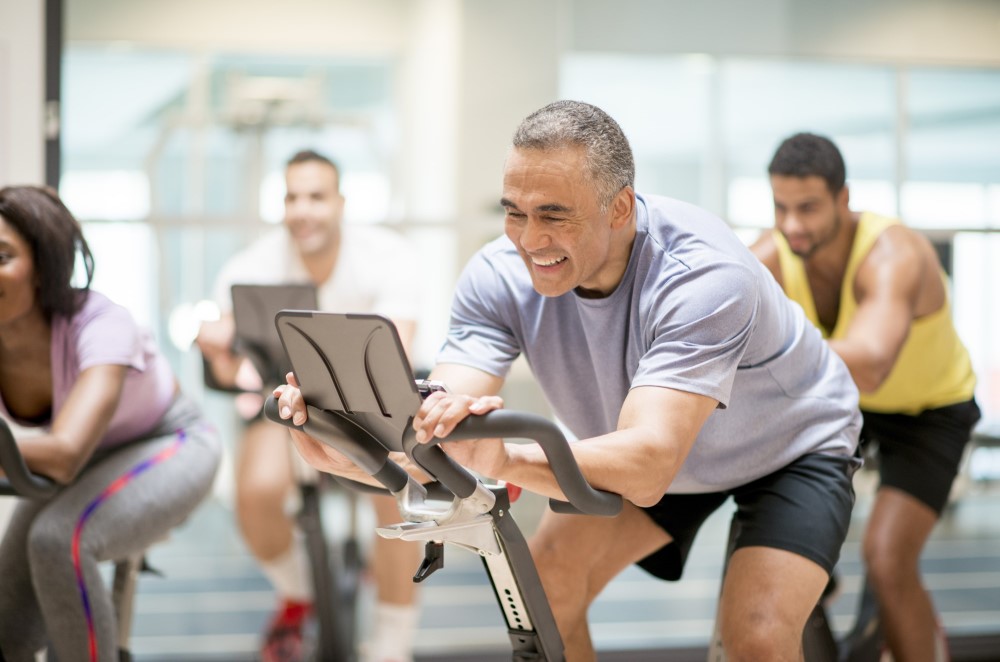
(123, 501)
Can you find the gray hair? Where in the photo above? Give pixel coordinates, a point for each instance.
(562, 124)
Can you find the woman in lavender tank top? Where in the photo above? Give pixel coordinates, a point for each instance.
(133, 456)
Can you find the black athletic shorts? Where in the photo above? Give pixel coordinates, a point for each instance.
(921, 454)
(804, 508)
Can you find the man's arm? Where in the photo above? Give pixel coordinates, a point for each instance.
(886, 288)
(229, 370)
(657, 427)
(459, 378)
(215, 341)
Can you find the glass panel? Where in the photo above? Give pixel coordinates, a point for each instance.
(764, 102)
(663, 105)
(191, 150)
(977, 313)
(125, 275)
(951, 147)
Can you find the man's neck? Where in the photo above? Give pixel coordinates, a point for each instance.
(320, 265)
(830, 261)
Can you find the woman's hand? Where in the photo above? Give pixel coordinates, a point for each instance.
(441, 412)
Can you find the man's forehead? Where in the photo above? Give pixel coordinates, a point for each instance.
(568, 156)
(812, 186)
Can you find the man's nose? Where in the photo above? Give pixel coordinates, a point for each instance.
(534, 235)
(789, 223)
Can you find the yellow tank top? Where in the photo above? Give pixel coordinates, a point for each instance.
(933, 368)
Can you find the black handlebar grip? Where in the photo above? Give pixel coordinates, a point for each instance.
(271, 413)
(347, 437)
(582, 498)
(20, 480)
(429, 457)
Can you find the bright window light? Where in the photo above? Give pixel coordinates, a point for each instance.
(106, 195)
(944, 205)
(750, 202)
(873, 195)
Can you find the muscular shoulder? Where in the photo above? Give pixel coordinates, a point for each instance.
(766, 250)
(901, 262)
(897, 248)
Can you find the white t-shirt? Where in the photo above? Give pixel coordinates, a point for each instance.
(375, 273)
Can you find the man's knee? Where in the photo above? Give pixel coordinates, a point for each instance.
(566, 581)
(263, 481)
(760, 636)
(888, 562)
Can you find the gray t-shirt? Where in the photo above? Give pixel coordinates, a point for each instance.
(696, 312)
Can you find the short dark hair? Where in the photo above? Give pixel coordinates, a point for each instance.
(808, 154)
(55, 237)
(312, 156)
(610, 163)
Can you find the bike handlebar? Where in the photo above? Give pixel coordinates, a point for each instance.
(371, 456)
(20, 481)
(351, 440)
(581, 497)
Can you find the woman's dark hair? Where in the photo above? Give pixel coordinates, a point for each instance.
(54, 236)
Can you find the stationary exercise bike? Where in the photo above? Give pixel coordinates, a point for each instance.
(361, 398)
(336, 564)
(21, 482)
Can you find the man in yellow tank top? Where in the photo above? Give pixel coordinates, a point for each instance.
(878, 293)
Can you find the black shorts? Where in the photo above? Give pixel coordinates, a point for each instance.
(921, 454)
(804, 508)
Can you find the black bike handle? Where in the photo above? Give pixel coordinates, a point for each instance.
(347, 437)
(509, 424)
(20, 481)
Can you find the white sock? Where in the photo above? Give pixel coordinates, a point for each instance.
(289, 573)
(393, 633)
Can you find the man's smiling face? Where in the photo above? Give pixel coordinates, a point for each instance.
(555, 219)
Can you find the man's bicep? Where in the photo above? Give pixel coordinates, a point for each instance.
(881, 326)
(466, 379)
(886, 290)
(671, 414)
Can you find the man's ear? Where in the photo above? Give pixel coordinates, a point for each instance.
(622, 207)
(843, 198)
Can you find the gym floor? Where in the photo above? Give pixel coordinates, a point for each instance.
(212, 602)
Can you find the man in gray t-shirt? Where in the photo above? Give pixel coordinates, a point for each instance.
(675, 358)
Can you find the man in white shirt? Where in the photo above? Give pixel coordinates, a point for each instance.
(356, 269)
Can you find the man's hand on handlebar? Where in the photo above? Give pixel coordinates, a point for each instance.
(437, 417)
(441, 412)
(291, 405)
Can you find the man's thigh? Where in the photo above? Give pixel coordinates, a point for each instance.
(580, 554)
(264, 459)
(769, 590)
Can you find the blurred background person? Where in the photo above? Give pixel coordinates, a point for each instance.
(356, 269)
(876, 290)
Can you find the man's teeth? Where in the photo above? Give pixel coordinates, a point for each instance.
(547, 263)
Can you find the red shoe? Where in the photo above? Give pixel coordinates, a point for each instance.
(283, 641)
